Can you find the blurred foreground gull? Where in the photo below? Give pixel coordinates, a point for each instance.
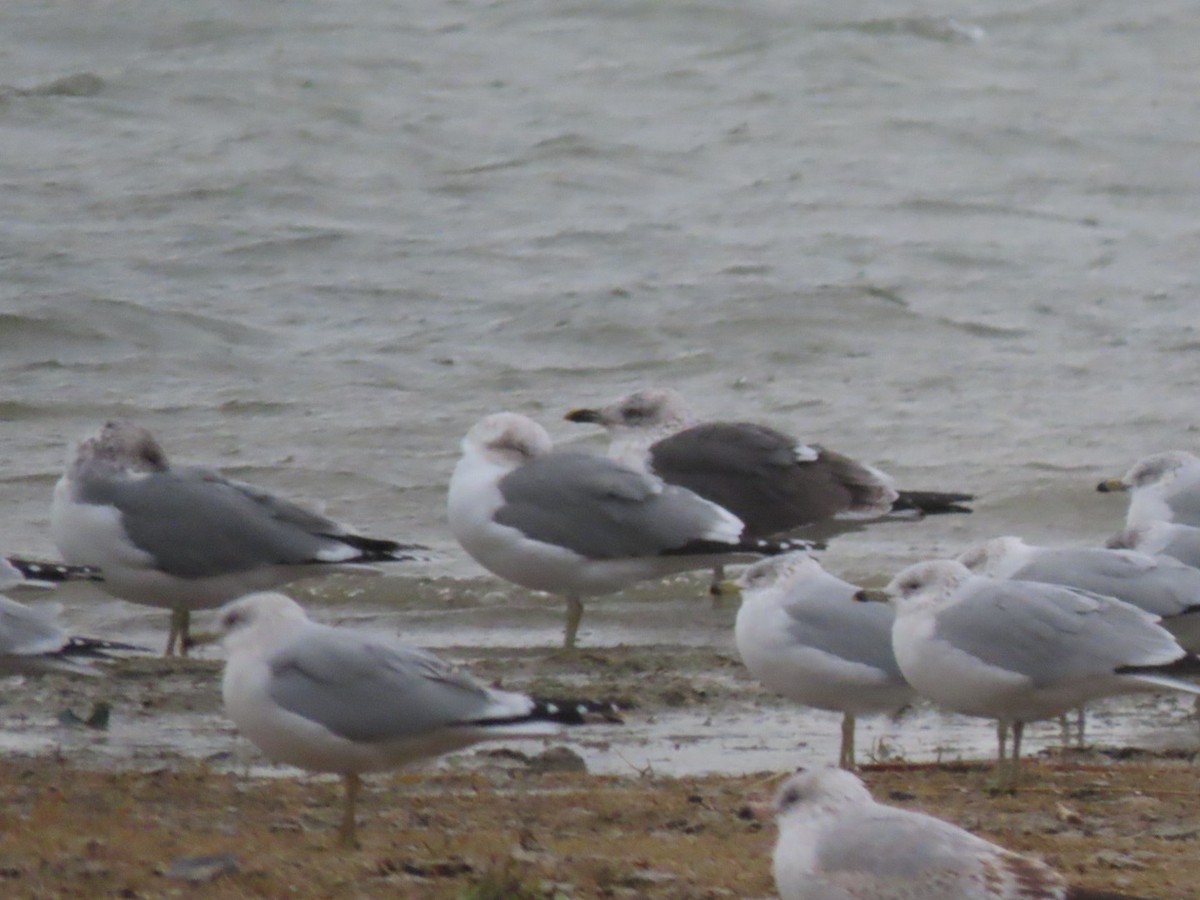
(577, 524)
(32, 642)
(1173, 539)
(1019, 651)
(1159, 585)
(186, 538)
(1164, 487)
(836, 843)
(338, 700)
(773, 482)
(801, 636)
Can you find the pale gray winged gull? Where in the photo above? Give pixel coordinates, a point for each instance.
(1159, 585)
(1163, 487)
(1173, 539)
(1020, 651)
(836, 843)
(187, 538)
(772, 481)
(801, 637)
(32, 641)
(346, 701)
(577, 524)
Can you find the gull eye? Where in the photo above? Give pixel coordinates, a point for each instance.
(232, 619)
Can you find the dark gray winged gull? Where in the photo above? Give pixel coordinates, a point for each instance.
(772, 481)
(1164, 487)
(347, 701)
(187, 538)
(577, 524)
(801, 637)
(836, 843)
(1020, 651)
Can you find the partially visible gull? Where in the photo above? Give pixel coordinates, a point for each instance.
(1020, 651)
(836, 843)
(801, 637)
(773, 482)
(32, 642)
(1164, 487)
(576, 524)
(346, 701)
(187, 538)
(1173, 539)
(1159, 585)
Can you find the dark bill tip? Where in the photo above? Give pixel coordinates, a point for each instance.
(584, 415)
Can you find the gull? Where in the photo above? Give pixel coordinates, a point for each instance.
(1020, 651)
(339, 700)
(576, 524)
(186, 538)
(772, 481)
(31, 640)
(836, 843)
(1159, 585)
(1173, 539)
(1163, 487)
(801, 637)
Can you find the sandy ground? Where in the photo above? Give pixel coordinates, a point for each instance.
(122, 811)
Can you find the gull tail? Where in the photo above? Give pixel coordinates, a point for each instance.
(932, 503)
(757, 546)
(95, 648)
(1083, 893)
(38, 573)
(1186, 665)
(372, 550)
(562, 712)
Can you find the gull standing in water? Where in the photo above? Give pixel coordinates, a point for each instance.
(836, 843)
(1020, 651)
(187, 538)
(576, 524)
(801, 637)
(340, 700)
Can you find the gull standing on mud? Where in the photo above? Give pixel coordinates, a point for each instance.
(836, 843)
(800, 635)
(338, 700)
(576, 524)
(772, 481)
(1020, 651)
(187, 538)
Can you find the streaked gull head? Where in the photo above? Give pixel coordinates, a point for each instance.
(927, 585)
(508, 439)
(121, 446)
(996, 558)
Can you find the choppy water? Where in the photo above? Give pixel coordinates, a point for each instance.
(311, 244)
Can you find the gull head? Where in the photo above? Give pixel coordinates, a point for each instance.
(996, 558)
(1159, 469)
(926, 585)
(507, 439)
(778, 571)
(825, 790)
(255, 618)
(121, 446)
(647, 409)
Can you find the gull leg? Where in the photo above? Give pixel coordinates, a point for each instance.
(1080, 722)
(846, 757)
(180, 620)
(714, 586)
(1002, 741)
(347, 834)
(1014, 764)
(574, 614)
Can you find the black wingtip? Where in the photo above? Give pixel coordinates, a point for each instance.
(373, 550)
(95, 648)
(52, 572)
(933, 503)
